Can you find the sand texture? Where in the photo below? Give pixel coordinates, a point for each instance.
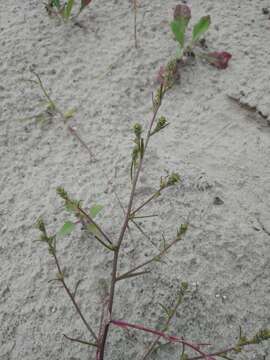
(218, 140)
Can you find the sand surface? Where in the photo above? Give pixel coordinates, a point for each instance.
(221, 149)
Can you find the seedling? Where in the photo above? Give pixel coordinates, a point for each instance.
(64, 10)
(85, 215)
(195, 46)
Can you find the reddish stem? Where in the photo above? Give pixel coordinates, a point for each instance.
(170, 338)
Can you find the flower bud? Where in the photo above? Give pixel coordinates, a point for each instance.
(137, 130)
(169, 74)
(162, 122)
(182, 11)
(173, 179)
(41, 225)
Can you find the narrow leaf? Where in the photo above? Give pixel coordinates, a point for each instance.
(178, 28)
(68, 8)
(165, 309)
(93, 229)
(70, 113)
(66, 229)
(94, 210)
(201, 27)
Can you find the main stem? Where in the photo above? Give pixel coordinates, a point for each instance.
(123, 231)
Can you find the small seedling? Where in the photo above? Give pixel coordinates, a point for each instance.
(195, 46)
(65, 10)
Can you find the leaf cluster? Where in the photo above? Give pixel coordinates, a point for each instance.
(180, 23)
(64, 10)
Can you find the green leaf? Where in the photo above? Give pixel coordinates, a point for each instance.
(68, 8)
(56, 3)
(50, 106)
(165, 309)
(179, 53)
(178, 28)
(70, 113)
(66, 229)
(93, 230)
(201, 27)
(94, 210)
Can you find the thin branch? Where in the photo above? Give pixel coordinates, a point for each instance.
(62, 115)
(141, 230)
(263, 227)
(154, 258)
(135, 8)
(259, 337)
(92, 221)
(133, 275)
(76, 287)
(152, 197)
(71, 129)
(80, 341)
(104, 319)
(173, 339)
(165, 327)
(109, 247)
(136, 177)
(81, 141)
(145, 216)
(130, 272)
(40, 83)
(221, 352)
(62, 280)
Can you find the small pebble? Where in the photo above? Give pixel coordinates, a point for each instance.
(218, 201)
(265, 11)
(4, 229)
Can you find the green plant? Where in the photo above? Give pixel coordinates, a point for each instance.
(64, 10)
(86, 216)
(179, 26)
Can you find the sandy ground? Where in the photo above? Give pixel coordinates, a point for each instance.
(221, 149)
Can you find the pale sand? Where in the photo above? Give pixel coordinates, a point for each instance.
(219, 148)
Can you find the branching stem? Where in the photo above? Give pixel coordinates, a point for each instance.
(221, 352)
(71, 296)
(152, 197)
(165, 327)
(80, 341)
(126, 221)
(71, 129)
(172, 339)
(145, 263)
(92, 221)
